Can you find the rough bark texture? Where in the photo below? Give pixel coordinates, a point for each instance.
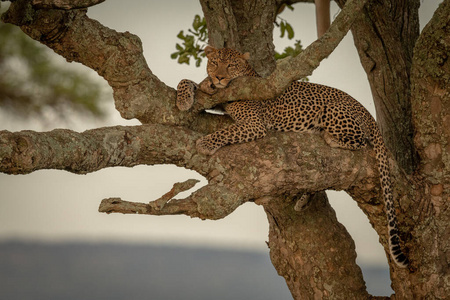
(385, 34)
(430, 77)
(309, 268)
(246, 26)
(308, 247)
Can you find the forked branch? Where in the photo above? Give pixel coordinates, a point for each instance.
(210, 202)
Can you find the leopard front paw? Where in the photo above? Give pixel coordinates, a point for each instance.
(185, 94)
(207, 86)
(205, 146)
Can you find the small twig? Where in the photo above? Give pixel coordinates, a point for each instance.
(175, 207)
(177, 188)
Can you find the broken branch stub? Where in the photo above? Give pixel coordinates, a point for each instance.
(177, 188)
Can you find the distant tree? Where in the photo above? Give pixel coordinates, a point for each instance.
(32, 84)
(409, 75)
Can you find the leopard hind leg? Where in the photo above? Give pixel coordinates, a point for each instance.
(337, 140)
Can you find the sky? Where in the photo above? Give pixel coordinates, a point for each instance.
(57, 206)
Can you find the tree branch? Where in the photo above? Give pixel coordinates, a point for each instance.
(117, 57)
(431, 99)
(430, 79)
(177, 188)
(65, 4)
(26, 151)
(175, 207)
(210, 202)
(322, 16)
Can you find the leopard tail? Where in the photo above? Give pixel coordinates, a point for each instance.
(396, 253)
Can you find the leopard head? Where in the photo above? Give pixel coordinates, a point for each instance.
(226, 64)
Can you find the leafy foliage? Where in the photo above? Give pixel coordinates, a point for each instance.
(195, 41)
(290, 51)
(286, 27)
(35, 84)
(193, 44)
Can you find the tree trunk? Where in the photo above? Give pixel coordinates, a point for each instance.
(409, 79)
(246, 26)
(385, 35)
(316, 262)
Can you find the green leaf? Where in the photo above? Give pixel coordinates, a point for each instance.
(193, 43)
(290, 51)
(197, 22)
(290, 31)
(282, 28)
(181, 35)
(183, 59)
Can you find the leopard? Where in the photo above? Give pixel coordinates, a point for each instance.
(302, 107)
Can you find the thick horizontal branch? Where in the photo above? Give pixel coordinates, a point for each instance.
(280, 163)
(26, 151)
(289, 69)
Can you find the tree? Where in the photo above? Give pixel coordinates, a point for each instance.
(409, 76)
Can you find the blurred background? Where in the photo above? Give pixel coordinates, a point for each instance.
(53, 242)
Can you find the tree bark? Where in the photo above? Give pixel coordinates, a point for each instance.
(316, 262)
(409, 78)
(430, 77)
(385, 34)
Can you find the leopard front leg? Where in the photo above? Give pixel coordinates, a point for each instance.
(234, 134)
(249, 126)
(185, 94)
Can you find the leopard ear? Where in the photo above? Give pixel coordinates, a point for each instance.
(209, 50)
(246, 55)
